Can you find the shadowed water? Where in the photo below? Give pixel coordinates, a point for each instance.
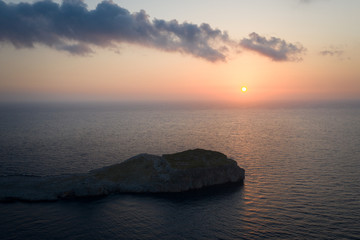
(302, 171)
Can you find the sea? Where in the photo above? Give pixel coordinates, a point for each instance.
(302, 168)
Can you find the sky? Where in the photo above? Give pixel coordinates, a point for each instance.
(170, 51)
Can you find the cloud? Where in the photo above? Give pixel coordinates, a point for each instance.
(274, 48)
(335, 52)
(311, 1)
(332, 53)
(71, 27)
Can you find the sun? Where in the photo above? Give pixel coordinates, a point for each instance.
(243, 89)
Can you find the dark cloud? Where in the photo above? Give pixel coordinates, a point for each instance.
(71, 27)
(274, 48)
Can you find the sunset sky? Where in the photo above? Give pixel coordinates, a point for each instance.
(161, 50)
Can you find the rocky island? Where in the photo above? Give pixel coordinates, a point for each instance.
(183, 171)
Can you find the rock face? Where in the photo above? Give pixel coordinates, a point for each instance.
(192, 169)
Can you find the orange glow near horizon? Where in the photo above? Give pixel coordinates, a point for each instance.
(118, 77)
(127, 71)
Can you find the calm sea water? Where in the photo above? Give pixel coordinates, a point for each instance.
(302, 171)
